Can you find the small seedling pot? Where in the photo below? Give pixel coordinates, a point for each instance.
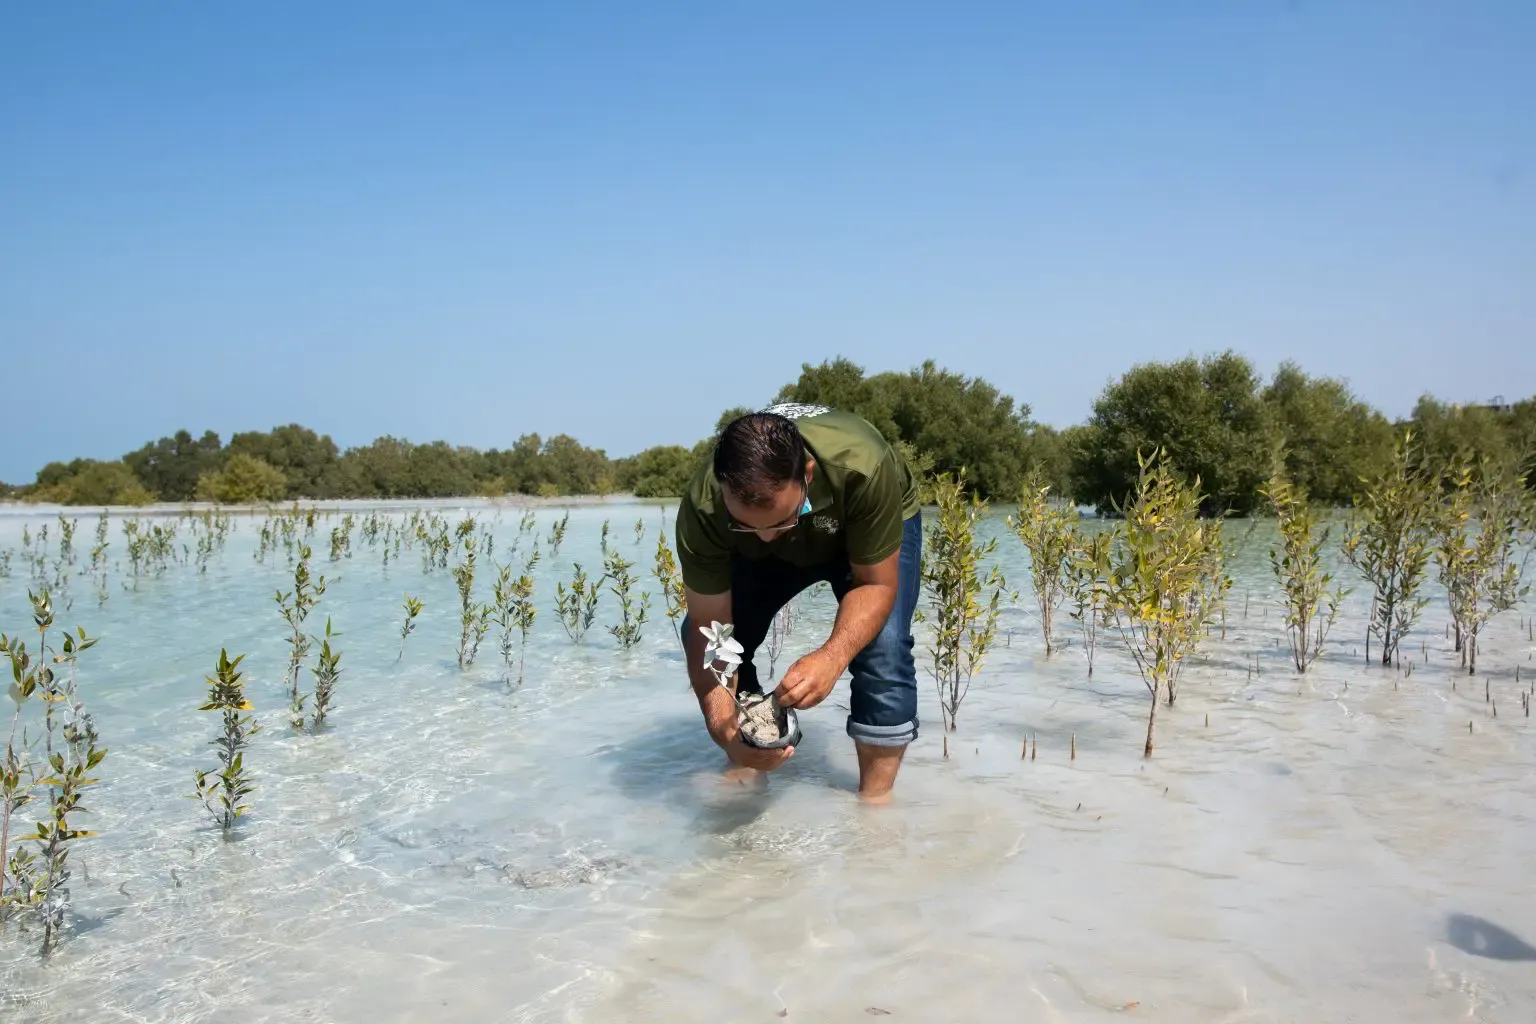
(788, 722)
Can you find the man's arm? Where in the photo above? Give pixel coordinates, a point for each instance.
(860, 616)
(873, 528)
(718, 706)
(863, 612)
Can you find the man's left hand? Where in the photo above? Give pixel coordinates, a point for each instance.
(807, 682)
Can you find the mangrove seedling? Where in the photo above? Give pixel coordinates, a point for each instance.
(515, 610)
(413, 608)
(671, 580)
(138, 548)
(577, 607)
(639, 529)
(79, 729)
(67, 541)
(1308, 597)
(1048, 530)
(55, 837)
(474, 619)
(1388, 541)
(223, 794)
(963, 627)
(17, 779)
(67, 776)
(295, 607)
(341, 541)
(1167, 559)
(1088, 584)
(633, 614)
(756, 713)
(327, 674)
(1477, 537)
(557, 532)
(469, 612)
(778, 634)
(605, 538)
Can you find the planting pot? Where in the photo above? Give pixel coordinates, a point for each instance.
(767, 725)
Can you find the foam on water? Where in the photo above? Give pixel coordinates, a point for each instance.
(1328, 848)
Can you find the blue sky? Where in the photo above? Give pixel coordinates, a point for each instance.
(473, 220)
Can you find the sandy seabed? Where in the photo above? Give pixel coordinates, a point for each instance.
(1338, 847)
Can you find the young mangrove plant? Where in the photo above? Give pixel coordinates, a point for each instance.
(413, 608)
(577, 606)
(40, 880)
(1167, 560)
(605, 538)
(17, 775)
(671, 579)
(963, 626)
(138, 548)
(1477, 537)
(327, 672)
(295, 607)
(79, 729)
(56, 836)
(778, 634)
(67, 542)
(639, 529)
(1088, 585)
(469, 613)
(1387, 540)
(224, 793)
(1048, 530)
(557, 533)
(474, 619)
(1308, 596)
(515, 610)
(341, 541)
(633, 614)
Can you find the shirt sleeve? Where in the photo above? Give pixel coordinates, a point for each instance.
(872, 513)
(702, 553)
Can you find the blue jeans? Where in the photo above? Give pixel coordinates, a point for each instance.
(883, 711)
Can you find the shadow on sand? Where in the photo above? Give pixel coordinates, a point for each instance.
(672, 761)
(1477, 937)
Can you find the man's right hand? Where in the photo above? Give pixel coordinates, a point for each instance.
(716, 702)
(727, 735)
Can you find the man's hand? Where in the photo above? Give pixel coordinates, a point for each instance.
(743, 754)
(807, 682)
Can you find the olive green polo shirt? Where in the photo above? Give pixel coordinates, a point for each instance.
(861, 493)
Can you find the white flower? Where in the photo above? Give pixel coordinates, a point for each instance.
(721, 646)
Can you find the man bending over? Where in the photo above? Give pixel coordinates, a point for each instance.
(793, 496)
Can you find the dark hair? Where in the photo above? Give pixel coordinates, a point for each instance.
(757, 454)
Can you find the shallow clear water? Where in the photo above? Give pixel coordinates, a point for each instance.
(1332, 848)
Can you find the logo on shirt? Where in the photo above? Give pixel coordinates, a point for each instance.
(826, 524)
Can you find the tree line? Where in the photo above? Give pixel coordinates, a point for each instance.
(1215, 417)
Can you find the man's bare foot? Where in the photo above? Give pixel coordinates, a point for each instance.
(737, 775)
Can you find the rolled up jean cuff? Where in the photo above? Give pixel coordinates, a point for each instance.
(883, 735)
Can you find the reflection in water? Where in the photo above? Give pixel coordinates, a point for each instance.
(1478, 937)
(456, 848)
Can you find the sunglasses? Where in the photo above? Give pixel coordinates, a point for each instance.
(788, 524)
